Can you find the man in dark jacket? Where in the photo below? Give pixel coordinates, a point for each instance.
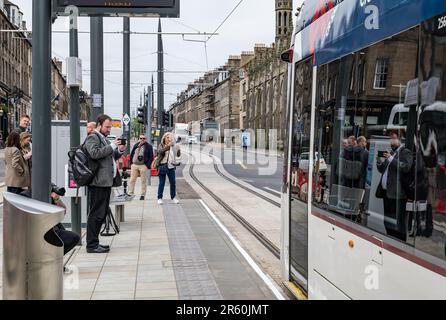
(140, 161)
(105, 153)
(393, 166)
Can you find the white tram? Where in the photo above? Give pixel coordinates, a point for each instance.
(372, 223)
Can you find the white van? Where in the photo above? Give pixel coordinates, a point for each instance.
(398, 117)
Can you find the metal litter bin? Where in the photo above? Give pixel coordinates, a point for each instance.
(32, 252)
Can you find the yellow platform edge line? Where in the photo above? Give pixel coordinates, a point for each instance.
(296, 291)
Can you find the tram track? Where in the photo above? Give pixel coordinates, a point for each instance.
(251, 229)
(257, 194)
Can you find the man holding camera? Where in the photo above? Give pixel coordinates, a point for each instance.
(140, 161)
(105, 153)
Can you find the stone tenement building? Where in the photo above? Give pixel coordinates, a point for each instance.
(249, 92)
(16, 74)
(15, 67)
(211, 102)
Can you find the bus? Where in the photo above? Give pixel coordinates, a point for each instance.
(372, 224)
(181, 132)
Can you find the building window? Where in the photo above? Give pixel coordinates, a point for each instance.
(361, 77)
(381, 73)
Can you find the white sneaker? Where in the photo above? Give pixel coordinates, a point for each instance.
(160, 201)
(175, 200)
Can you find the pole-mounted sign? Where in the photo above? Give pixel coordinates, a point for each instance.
(143, 8)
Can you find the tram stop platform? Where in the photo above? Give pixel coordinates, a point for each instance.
(168, 252)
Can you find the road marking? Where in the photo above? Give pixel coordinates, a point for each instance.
(242, 165)
(272, 190)
(266, 278)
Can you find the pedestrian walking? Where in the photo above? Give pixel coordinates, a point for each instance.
(105, 153)
(17, 173)
(168, 155)
(140, 160)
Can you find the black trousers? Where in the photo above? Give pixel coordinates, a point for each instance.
(70, 239)
(14, 190)
(395, 209)
(99, 208)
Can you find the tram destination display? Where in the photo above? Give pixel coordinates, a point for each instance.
(161, 8)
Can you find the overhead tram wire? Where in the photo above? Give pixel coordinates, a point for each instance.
(226, 19)
(153, 71)
(200, 34)
(205, 41)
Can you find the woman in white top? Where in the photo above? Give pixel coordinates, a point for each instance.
(168, 153)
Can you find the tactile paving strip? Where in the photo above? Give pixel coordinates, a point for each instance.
(194, 278)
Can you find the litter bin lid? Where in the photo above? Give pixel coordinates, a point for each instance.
(31, 206)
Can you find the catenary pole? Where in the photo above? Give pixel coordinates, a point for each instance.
(41, 107)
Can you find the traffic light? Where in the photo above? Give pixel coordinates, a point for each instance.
(166, 119)
(141, 115)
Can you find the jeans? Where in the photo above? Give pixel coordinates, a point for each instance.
(162, 183)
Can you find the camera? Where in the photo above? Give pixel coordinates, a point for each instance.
(140, 158)
(125, 175)
(59, 191)
(123, 141)
(381, 154)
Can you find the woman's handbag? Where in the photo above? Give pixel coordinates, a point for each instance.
(155, 163)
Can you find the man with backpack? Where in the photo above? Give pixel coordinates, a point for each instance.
(106, 176)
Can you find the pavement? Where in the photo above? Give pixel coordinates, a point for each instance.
(166, 252)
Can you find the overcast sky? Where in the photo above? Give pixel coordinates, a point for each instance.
(253, 22)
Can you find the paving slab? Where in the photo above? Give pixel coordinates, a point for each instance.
(163, 252)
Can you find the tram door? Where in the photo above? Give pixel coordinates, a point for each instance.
(300, 159)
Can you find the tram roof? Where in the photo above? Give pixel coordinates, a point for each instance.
(349, 25)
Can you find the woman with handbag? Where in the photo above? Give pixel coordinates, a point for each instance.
(168, 153)
(17, 173)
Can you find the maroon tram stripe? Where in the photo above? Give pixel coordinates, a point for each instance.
(387, 246)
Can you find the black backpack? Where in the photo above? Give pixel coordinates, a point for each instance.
(81, 166)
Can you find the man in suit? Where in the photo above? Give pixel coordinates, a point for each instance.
(140, 160)
(393, 166)
(105, 153)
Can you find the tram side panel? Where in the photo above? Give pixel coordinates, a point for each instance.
(365, 271)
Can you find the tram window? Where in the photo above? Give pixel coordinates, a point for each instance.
(429, 222)
(299, 171)
(368, 157)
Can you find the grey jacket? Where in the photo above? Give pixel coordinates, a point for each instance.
(400, 166)
(99, 148)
